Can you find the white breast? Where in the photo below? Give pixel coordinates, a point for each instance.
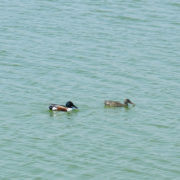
(69, 109)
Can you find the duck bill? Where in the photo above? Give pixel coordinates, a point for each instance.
(75, 107)
(132, 103)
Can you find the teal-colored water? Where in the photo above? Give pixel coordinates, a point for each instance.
(53, 51)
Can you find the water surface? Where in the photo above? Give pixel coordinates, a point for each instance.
(53, 51)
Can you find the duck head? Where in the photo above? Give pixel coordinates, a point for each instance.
(69, 104)
(126, 101)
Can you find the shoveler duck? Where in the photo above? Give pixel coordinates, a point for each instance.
(117, 103)
(68, 107)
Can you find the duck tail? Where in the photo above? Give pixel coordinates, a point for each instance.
(50, 107)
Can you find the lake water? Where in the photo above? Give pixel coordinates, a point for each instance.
(53, 51)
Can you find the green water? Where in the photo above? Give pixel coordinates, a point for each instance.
(53, 51)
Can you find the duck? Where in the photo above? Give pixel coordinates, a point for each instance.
(68, 107)
(117, 103)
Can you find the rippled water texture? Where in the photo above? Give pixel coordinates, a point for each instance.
(52, 51)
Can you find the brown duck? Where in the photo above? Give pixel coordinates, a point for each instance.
(117, 103)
